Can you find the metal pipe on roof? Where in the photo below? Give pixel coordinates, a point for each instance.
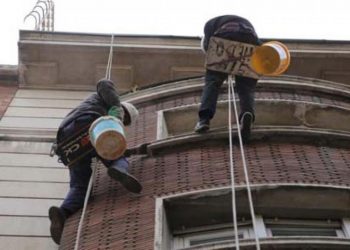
(43, 19)
(36, 20)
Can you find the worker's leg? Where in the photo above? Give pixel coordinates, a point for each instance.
(80, 173)
(118, 170)
(245, 88)
(207, 109)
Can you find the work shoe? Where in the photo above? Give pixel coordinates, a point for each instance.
(57, 219)
(246, 126)
(202, 126)
(119, 173)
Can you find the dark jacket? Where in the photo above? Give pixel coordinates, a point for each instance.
(96, 104)
(242, 32)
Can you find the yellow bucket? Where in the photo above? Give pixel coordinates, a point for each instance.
(271, 58)
(107, 137)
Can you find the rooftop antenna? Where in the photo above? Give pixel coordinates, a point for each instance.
(45, 19)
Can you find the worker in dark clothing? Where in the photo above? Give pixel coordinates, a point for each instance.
(104, 102)
(238, 29)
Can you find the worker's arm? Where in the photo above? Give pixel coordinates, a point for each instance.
(106, 90)
(109, 95)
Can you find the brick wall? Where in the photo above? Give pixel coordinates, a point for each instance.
(117, 219)
(7, 92)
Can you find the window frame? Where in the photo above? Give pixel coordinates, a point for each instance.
(183, 239)
(166, 232)
(295, 224)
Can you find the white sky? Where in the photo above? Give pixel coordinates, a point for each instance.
(296, 19)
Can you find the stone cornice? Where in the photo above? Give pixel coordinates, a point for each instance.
(285, 82)
(75, 60)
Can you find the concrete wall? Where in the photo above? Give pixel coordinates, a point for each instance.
(77, 61)
(30, 180)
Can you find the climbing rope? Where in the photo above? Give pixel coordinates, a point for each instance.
(110, 60)
(233, 192)
(250, 199)
(94, 163)
(87, 196)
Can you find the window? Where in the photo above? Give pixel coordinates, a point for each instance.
(204, 219)
(218, 234)
(322, 228)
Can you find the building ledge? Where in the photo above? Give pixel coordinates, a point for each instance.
(273, 113)
(263, 133)
(288, 200)
(284, 83)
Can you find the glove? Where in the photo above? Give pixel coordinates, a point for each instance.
(117, 112)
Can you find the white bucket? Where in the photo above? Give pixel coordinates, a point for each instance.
(107, 137)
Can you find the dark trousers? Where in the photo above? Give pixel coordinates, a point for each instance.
(245, 87)
(80, 172)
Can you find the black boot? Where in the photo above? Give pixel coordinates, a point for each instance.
(118, 171)
(202, 126)
(246, 126)
(57, 218)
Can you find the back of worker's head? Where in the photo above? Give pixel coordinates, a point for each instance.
(130, 113)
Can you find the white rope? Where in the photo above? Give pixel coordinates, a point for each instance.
(93, 164)
(110, 60)
(250, 199)
(87, 196)
(233, 190)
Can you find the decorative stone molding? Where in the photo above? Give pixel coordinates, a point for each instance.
(122, 75)
(40, 73)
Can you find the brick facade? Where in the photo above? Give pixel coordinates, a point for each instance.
(119, 220)
(7, 92)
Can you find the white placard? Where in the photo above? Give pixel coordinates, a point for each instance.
(230, 57)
